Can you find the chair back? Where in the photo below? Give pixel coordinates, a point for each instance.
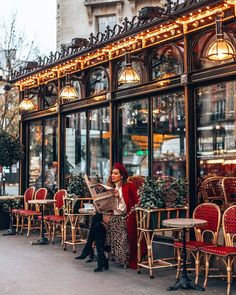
(212, 189)
(212, 214)
(229, 226)
(40, 194)
(229, 189)
(137, 180)
(59, 198)
(28, 195)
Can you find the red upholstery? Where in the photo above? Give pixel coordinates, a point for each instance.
(229, 188)
(29, 212)
(16, 210)
(229, 220)
(209, 212)
(46, 217)
(220, 250)
(56, 218)
(41, 194)
(193, 245)
(59, 197)
(29, 194)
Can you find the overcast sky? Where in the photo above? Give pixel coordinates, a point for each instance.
(36, 18)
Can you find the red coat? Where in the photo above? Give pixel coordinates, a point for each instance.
(130, 196)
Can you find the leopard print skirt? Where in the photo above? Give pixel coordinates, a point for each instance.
(117, 239)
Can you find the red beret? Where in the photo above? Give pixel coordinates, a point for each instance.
(122, 169)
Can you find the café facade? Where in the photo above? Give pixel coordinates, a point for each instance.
(156, 93)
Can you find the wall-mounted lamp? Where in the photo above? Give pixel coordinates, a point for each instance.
(68, 92)
(128, 75)
(220, 49)
(26, 104)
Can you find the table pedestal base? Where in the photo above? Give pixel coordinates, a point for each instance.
(185, 283)
(10, 232)
(41, 241)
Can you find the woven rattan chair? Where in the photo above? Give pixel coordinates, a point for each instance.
(40, 194)
(212, 190)
(225, 253)
(138, 180)
(229, 190)
(28, 195)
(211, 213)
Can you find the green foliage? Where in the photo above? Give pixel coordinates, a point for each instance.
(165, 192)
(150, 195)
(11, 151)
(77, 186)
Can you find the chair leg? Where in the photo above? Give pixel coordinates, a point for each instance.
(53, 232)
(207, 258)
(228, 275)
(179, 262)
(29, 225)
(22, 224)
(62, 233)
(17, 221)
(197, 266)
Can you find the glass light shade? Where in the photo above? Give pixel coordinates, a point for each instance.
(219, 50)
(128, 76)
(68, 92)
(26, 105)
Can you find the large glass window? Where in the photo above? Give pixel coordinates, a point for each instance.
(75, 148)
(97, 82)
(43, 154)
(99, 142)
(216, 135)
(104, 21)
(87, 147)
(35, 153)
(133, 143)
(169, 142)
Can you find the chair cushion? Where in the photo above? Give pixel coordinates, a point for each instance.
(192, 245)
(45, 217)
(57, 218)
(29, 212)
(16, 210)
(220, 250)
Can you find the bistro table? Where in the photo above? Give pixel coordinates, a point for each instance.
(184, 282)
(11, 231)
(41, 203)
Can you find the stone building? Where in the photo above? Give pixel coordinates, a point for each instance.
(78, 18)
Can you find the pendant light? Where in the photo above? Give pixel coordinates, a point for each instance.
(220, 49)
(68, 92)
(128, 75)
(26, 104)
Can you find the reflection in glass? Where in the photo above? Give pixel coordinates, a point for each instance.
(75, 145)
(166, 63)
(98, 82)
(35, 154)
(169, 142)
(133, 120)
(51, 155)
(50, 95)
(216, 137)
(99, 143)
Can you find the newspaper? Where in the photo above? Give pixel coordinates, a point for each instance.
(103, 196)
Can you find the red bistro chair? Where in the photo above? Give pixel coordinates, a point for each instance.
(212, 190)
(56, 220)
(40, 194)
(229, 190)
(28, 195)
(225, 253)
(211, 213)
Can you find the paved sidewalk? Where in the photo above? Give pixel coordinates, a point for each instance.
(48, 270)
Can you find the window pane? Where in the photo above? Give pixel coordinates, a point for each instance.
(99, 142)
(169, 142)
(75, 147)
(134, 137)
(35, 154)
(98, 82)
(51, 154)
(216, 137)
(104, 21)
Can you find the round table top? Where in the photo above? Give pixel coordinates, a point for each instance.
(9, 198)
(184, 222)
(41, 202)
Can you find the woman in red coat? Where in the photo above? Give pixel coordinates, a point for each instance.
(118, 230)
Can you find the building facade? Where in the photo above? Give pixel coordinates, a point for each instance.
(79, 18)
(178, 119)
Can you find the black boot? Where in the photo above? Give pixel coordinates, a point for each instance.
(102, 263)
(86, 251)
(91, 237)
